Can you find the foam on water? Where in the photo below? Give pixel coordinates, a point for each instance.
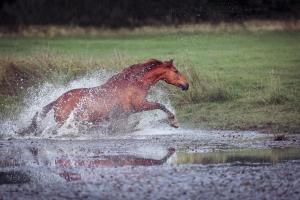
(37, 97)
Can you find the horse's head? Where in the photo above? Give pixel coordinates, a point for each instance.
(172, 76)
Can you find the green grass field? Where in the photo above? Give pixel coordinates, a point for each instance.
(239, 80)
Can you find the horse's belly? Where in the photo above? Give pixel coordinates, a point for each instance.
(97, 111)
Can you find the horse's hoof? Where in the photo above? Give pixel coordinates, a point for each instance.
(174, 123)
(26, 131)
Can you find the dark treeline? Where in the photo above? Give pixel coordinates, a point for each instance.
(131, 13)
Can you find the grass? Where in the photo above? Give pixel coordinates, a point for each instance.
(239, 80)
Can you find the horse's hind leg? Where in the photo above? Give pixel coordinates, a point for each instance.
(32, 128)
(128, 125)
(56, 128)
(134, 125)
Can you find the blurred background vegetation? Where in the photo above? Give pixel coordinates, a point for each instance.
(133, 13)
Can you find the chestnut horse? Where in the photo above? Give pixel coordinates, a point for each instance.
(123, 94)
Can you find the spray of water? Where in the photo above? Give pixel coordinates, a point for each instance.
(37, 97)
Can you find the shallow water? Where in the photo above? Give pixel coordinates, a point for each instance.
(147, 148)
(240, 156)
(66, 165)
(164, 161)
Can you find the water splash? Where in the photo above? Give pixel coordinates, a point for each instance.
(37, 97)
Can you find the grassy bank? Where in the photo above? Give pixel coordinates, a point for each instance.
(239, 80)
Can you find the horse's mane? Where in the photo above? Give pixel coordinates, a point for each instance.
(141, 68)
(135, 71)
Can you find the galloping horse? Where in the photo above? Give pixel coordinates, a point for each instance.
(123, 94)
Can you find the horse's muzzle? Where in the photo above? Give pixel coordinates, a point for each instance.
(185, 86)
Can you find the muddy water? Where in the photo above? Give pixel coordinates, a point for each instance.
(151, 164)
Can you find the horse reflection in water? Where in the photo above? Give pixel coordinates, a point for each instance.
(107, 161)
(123, 94)
(113, 161)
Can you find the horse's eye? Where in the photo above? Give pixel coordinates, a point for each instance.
(176, 71)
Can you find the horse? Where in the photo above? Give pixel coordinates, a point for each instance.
(122, 95)
(106, 161)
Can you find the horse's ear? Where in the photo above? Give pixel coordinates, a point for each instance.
(169, 63)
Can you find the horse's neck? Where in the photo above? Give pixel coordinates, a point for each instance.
(151, 79)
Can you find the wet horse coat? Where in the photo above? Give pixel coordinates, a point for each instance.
(123, 94)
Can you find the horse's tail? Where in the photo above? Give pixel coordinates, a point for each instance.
(34, 126)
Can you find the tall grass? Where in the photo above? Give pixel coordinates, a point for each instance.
(203, 89)
(274, 94)
(19, 73)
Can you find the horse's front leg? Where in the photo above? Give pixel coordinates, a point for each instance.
(153, 105)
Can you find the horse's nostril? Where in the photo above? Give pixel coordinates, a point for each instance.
(185, 87)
